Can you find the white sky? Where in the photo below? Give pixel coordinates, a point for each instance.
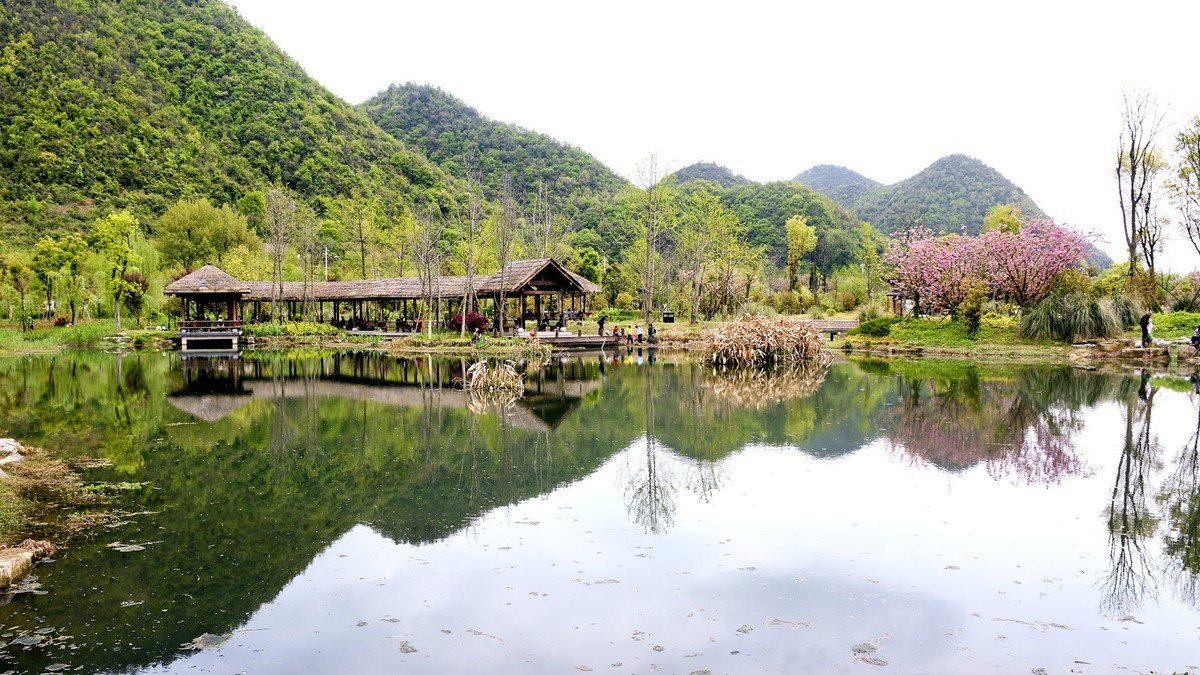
(1032, 88)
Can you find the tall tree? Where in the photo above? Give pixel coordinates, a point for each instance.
(429, 251)
(47, 260)
(469, 224)
(193, 231)
(506, 234)
(114, 237)
(653, 205)
(16, 273)
(1185, 188)
(74, 250)
(279, 221)
(801, 240)
(1136, 170)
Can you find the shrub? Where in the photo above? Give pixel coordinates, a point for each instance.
(475, 321)
(971, 308)
(60, 321)
(290, 329)
(877, 327)
(1071, 317)
(624, 301)
(1125, 309)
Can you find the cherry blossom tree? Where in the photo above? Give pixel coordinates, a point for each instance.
(1023, 265)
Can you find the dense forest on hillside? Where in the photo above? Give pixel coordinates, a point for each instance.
(459, 139)
(841, 184)
(954, 193)
(714, 173)
(109, 105)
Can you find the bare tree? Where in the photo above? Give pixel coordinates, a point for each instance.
(308, 247)
(429, 251)
(545, 238)
(1136, 170)
(469, 226)
(653, 213)
(506, 234)
(279, 215)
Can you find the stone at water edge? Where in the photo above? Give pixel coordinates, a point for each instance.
(9, 446)
(1186, 352)
(14, 564)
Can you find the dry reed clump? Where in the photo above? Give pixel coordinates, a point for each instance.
(486, 377)
(755, 388)
(758, 340)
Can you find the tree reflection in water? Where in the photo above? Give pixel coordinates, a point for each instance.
(1130, 520)
(1015, 423)
(1181, 497)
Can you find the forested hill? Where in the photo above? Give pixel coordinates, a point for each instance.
(456, 136)
(109, 104)
(952, 193)
(838, 182)
(714, 173)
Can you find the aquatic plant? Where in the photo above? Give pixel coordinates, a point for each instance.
(759, 340)
(758, 387)
(485, 376)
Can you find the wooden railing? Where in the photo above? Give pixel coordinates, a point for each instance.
(194, 325)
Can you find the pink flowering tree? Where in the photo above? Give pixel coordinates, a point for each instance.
(1023, 265)
(938, 272)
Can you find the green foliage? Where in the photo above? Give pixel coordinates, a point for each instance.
(108, 105)
(457, 137)
(765, 209)
(1175, 324)
(877, 327)
(1071, 317)
(290, 329)
(936, 332)
(710, 172)
(193, 232)
(970, 310)
(624, 301)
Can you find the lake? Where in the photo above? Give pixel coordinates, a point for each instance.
(322, 512)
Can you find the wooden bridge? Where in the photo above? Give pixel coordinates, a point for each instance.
(834, 327)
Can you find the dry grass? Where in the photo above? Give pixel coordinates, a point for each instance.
(48, 497)
(485, 377)
(756, 388)
(755, 340)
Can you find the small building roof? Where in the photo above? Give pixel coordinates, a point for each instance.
(208, 280)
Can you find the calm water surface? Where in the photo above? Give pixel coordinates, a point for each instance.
(321, 513)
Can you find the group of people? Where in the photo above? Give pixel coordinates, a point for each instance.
(650, 335)
(1148, 332)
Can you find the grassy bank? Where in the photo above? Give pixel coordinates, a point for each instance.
(997, 337)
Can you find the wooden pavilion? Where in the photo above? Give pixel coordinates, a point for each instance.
(213, 299)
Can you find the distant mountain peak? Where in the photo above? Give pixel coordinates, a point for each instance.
(713, 172)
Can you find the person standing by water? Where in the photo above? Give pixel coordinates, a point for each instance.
(652, 334)
(1147, 328)
(599, 321)
(640, 335)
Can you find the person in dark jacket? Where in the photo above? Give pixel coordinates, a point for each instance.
(1145, 323)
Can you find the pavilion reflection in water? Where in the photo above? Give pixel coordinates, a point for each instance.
(210, 388)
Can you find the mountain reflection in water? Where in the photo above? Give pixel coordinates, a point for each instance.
(259, 464)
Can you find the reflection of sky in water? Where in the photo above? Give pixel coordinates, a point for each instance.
(786, 566)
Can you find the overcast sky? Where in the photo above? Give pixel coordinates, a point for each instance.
(1032, 88)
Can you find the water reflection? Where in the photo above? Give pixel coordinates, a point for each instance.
(260, 464)
(1018, 423)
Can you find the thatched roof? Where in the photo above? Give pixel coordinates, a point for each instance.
(545, 275)
(209, 279)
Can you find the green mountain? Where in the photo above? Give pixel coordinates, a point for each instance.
(456, 136)
(953, 193)
(764, 209)
(107, 104)
(841, 184)
(714, 173)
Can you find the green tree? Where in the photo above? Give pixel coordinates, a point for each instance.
(18, 274)
(801, 240)
(1004, 217)
(114, 236)
(74, 250)
(193, 232)
(47, 259)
